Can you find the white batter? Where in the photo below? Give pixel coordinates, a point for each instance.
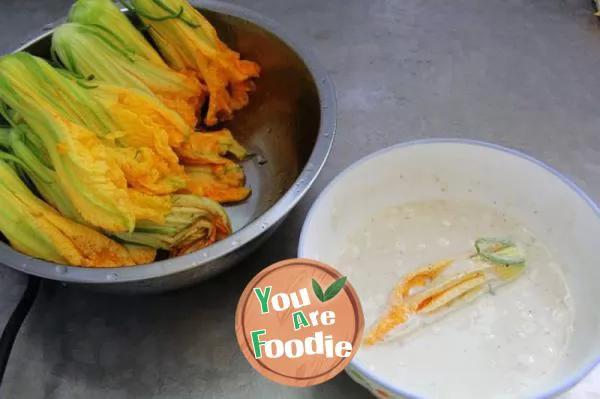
(496, 347)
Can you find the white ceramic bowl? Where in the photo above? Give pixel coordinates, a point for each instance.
(552, 207)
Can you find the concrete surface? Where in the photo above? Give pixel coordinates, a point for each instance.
(523, 73)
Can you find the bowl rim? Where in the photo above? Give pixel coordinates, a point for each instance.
(259, 226)
(580, 373)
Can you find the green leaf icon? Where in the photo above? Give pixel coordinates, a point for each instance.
(318, 290)
(331, 292)
(334, 289)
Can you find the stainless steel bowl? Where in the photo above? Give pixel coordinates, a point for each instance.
(289, 125)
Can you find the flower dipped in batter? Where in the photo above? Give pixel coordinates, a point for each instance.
(431, 292)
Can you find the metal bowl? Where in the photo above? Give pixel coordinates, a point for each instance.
(289, 125)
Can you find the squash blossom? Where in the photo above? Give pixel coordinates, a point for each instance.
(222, 183)
(105, 14)
(91, 50)
(433, 291)
(134, 125)
(189, 42)
(23, 143)
(38, 230)
(211, 148)
(88, 166)
(100, 165)
(209, 172)
(194, 223)
(81, 163)
(47, 182)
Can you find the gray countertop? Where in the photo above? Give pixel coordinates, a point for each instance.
(523, 73)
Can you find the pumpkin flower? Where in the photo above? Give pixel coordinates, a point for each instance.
(86, 166)
(205, 148)
(194, 223)
(135, 126)
(100, 51)
(431, 292)
(222, 183)
(36, 229)
(23, 143)
(137, 242)
(189, 42)
(105, 14)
